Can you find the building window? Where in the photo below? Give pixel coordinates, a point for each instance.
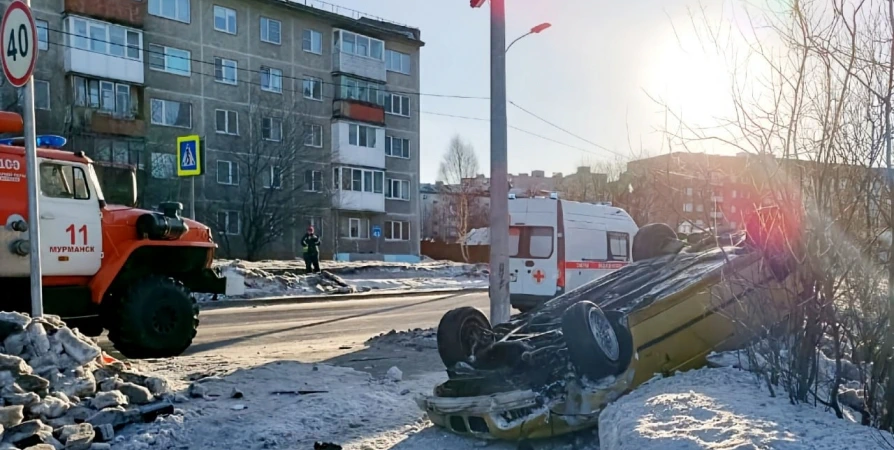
(687, 207)
(361, 136)
(225, 19)
(227, 173)
(228, 221)
(313, 88)
(170, 59)
(313, 135)
(312, 41)
(271, 80)
(358, 180)
(273, 178)
(357, 44)
(355, 228)
(43, 34)
(225, 70)
(227, 121)
(271, 31)
(121, 152)
(170, 9)
(397, 147)
(41, 94)
(365, 91)
(699, 208)
(111, 97)
(689, 192)
(397, 189)
(271, 129)
(104, 38)
(397, 231)
(397, 62)
(162, 165)
(171, 113)
(398, 105)
(618, 245)
(313, 181)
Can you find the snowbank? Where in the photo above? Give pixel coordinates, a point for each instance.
(287, 278)
(719, 409)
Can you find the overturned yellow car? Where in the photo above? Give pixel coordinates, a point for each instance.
(551, 370)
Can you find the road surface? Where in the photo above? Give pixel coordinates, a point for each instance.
(333, 332)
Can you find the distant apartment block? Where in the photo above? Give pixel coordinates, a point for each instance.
(310, 102)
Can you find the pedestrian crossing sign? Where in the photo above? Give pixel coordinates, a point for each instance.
(189, 156)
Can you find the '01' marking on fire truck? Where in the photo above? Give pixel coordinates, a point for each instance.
(74, 247)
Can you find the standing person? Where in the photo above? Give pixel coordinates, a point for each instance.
(311, 246)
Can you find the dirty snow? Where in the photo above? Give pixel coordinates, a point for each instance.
(265, 279)
(723, 408)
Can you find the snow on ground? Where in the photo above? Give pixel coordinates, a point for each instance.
(719, 409)
(287, 278)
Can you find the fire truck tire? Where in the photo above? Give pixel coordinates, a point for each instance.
(593, 345)
(156, 318)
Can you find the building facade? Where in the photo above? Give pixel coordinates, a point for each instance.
(308, 116)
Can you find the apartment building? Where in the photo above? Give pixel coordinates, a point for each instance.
(309, 115)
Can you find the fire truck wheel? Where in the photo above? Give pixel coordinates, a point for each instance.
(593, 345)
(462, 332)
(156, 318)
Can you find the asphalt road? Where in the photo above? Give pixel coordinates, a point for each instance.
(332, 332)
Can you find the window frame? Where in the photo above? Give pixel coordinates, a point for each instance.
(226, 227)
(344, 182)
(390, 101)
(314, 127)
(315, 185)
(357, 138)
(227, 131)
(232, 173)
(177, 5)
(360, 222)
(400, 183)
(389, 66)
(309, 34)
(389, 147)
(314, 82)
(339, 39)
(269, 72)
(48, 90)
(43, 42)
(165, 102)
(164, 57)
(267, 39)
(85, 42)
(226, 19)
(69, 184)
(274, 173)
(616, 235)
(221, 65)
(272, 121)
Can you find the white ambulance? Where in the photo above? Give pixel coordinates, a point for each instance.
(557, 245)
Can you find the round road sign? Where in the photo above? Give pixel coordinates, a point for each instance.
(18, 43)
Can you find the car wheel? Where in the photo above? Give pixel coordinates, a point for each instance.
(617, 320)
(592, 343)
(650, 240)
(461, 332)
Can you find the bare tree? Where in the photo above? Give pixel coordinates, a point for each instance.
(458, 170)
(279, 166)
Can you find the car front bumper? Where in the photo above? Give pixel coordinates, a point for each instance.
(524, 414)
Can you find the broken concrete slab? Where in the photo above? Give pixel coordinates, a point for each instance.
(25, 430)
(81, 350)
(12, 322)
(11, 416)
(74, 385)
(50, 408)
(38, 339)
(24, 398)
(77, 437)
(32, 383)
(107, 399)
(14, 364)
(136, 394)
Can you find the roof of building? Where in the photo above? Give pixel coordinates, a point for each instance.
(347, 17)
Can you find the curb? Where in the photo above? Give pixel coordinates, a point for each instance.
(266, 301)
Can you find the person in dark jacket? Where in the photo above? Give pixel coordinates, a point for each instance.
(311, 246)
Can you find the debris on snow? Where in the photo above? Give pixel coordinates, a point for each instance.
(394, 374)
(722, 408)
(418, 338)
(48, 383)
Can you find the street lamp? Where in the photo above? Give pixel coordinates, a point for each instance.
(535, 30)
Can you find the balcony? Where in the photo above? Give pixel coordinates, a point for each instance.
(359, 201)
(116, 55)
(358, 144)
(109, 124)
(359, 111)
(126, 12)
(358, 65)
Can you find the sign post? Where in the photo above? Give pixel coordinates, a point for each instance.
(190, 163)
(377, 233)
(18, 52)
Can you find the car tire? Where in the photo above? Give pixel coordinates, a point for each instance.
(650, 240)
(618, 322)
(155, 318)
(592, 343)
(458, 332)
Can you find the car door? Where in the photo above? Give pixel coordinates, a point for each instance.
(70, 220)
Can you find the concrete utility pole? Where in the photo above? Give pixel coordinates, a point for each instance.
(499, 179)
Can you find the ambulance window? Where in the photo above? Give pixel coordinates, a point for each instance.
(618, 243)
(514, 234)
(63, 181)
(540, 243)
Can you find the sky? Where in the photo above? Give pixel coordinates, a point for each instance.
(604, 72)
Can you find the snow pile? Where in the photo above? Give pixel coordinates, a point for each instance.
(418, 338)
(59, 390)
(478, 236)
(288, 278)
(719, 409)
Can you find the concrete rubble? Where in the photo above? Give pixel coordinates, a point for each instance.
(57, 391)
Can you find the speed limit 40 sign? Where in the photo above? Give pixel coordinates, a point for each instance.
(18, 46)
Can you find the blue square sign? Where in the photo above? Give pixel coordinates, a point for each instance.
(377, 231)
(189, 156)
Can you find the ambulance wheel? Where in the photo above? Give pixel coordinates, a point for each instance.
(650, 240)
(461, 332)
(593, 345)
(155, 318)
